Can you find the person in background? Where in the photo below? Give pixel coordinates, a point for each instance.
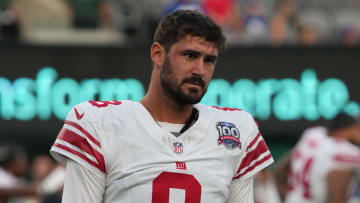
(223, 12)
(284, 24)
(183, 5)
(41, 166)
(14, 165)
(50, 178)
(226, 13)
(349, 36)
(134, 19)
(90, 14)
(52, 185)
(307, 35)
(255, 25)
(323, 164)
(9, 22)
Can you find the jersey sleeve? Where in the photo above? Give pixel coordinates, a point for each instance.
(82, 185)
(256, 156)
(241, 191)
(347, 156)
(79, 140)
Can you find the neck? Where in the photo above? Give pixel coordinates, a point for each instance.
(163, 108)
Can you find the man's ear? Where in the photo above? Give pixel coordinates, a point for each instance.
(158, 54)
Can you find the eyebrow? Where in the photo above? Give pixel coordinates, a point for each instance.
(197, 53)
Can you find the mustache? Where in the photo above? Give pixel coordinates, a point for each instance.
(196, 80)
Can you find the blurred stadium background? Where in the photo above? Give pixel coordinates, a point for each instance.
(291, 63)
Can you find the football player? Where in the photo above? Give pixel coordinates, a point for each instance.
(167, 147)
(323, 163)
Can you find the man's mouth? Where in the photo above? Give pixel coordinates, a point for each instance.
(195, 81)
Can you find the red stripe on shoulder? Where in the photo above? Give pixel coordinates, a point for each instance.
(253, 166)
(78, 154)
(226, 108)
(347, 158)
(86, 133)
(253, 155)
(81, 143)
(253, 141)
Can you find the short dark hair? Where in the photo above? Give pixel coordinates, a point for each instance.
(176, 25)
(342, 120)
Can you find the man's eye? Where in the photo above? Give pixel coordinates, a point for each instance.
(209, 60)
(190, 55)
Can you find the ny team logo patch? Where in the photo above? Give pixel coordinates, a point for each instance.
(228, 135)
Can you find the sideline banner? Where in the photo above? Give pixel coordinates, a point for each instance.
(284, 89)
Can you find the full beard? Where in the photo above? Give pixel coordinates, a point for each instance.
(174, 90)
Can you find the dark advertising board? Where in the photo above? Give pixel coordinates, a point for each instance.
(285, 89)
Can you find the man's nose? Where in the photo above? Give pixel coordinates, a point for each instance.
(198, 67)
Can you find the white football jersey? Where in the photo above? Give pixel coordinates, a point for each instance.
(145, 163)
(315, 155)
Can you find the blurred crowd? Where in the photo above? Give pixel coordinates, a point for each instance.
(129, 22)
(21, 182)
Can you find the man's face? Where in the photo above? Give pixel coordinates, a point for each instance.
(187, 69)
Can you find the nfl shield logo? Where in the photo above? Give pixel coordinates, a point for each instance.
(178, 147)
